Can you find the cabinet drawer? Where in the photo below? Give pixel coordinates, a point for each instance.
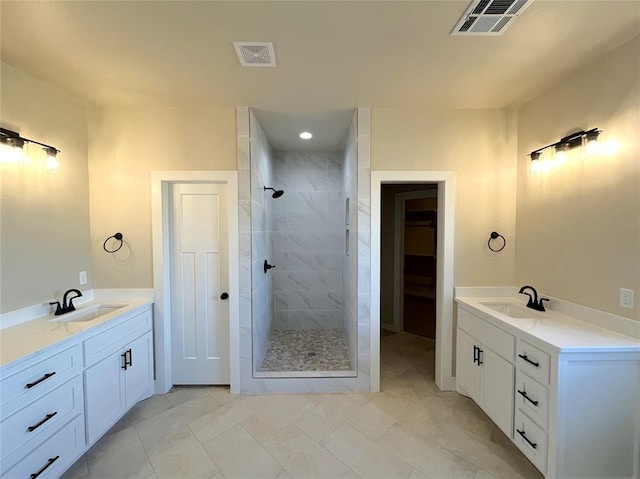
(53, 456)
(533, 361)
(23, 385)
(114, 338)
(532, 398)
(531, 440)
(491, 336)
(39, 419)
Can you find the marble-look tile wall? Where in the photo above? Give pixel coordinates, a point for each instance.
(308, 241)
(262, 231)
(350, 258)
(364, 249)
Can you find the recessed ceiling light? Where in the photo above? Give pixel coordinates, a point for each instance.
(305, 135)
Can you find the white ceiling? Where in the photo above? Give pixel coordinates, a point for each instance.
(331, 55)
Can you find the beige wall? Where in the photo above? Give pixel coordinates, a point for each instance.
(125, 145)
(578, 225)
(44, 216)
(479, 145)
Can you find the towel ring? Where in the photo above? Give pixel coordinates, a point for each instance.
(117, 237)
(496, 235)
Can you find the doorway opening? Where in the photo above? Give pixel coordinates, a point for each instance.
(408, 279)
(409, 258)
(387, 314)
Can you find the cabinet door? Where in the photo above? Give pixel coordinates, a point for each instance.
(498, 381)
(104, 389)
(468, 370)
(139, 375)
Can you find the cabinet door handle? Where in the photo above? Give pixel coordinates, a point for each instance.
(44, 468)
(45, 419)
(524, 395)
(524, 356)
(35, 383)
(128, 353)
(524, 436)
(480, 361)
(475, 353)
(124, 360)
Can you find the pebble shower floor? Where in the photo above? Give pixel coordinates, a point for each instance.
(312, 350)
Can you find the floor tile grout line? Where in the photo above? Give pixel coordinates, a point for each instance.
(205, 449)
(146, 453)
(264, 448)
(319, 443)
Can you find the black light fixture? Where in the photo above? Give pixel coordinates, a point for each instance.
(566, 143)
(13, 140)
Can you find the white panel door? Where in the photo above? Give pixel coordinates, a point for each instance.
(199, 277)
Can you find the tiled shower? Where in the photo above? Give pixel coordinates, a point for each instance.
(304, 323)
(298, 314)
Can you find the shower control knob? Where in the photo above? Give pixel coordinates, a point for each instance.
(267, 266)
(224, 295)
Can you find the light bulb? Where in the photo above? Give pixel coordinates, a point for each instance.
(561, 153)
(561, 157)
(52, 159)
(535, 165)
(305, 135)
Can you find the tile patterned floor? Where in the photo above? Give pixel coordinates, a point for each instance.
(312, 350)
(410, 430)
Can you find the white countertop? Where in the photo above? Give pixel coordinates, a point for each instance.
(31, 336)
(560, 331)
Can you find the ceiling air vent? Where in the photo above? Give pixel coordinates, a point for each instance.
(489, 17)
(255, 54)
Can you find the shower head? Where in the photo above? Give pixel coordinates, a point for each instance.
(276, 193)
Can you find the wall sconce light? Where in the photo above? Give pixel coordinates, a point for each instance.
(13, 145)
(565, 144)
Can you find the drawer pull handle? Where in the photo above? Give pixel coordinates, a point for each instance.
(45, 419)
(524, 436)
(524, 395)
(35, 383)
(537, 365)
(44, 468)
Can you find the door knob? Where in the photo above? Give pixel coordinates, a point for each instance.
(224, 295)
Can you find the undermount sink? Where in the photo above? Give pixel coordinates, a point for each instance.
(513, 310)
(89, 313)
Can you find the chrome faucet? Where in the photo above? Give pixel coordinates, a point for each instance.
(533, 302)
(67, 303)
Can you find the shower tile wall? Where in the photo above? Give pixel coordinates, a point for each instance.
(262, 226)
(309, 241)
(350, 261)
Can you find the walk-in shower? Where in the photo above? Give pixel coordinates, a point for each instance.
(304, 309)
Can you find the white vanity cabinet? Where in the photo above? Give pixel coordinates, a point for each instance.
(42, 401)
(574, 410)
(119, 372)
(57, 401)
(485, 369)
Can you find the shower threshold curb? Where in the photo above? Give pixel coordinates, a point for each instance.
(306, 374)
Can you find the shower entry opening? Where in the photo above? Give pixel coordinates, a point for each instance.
(304, 253)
